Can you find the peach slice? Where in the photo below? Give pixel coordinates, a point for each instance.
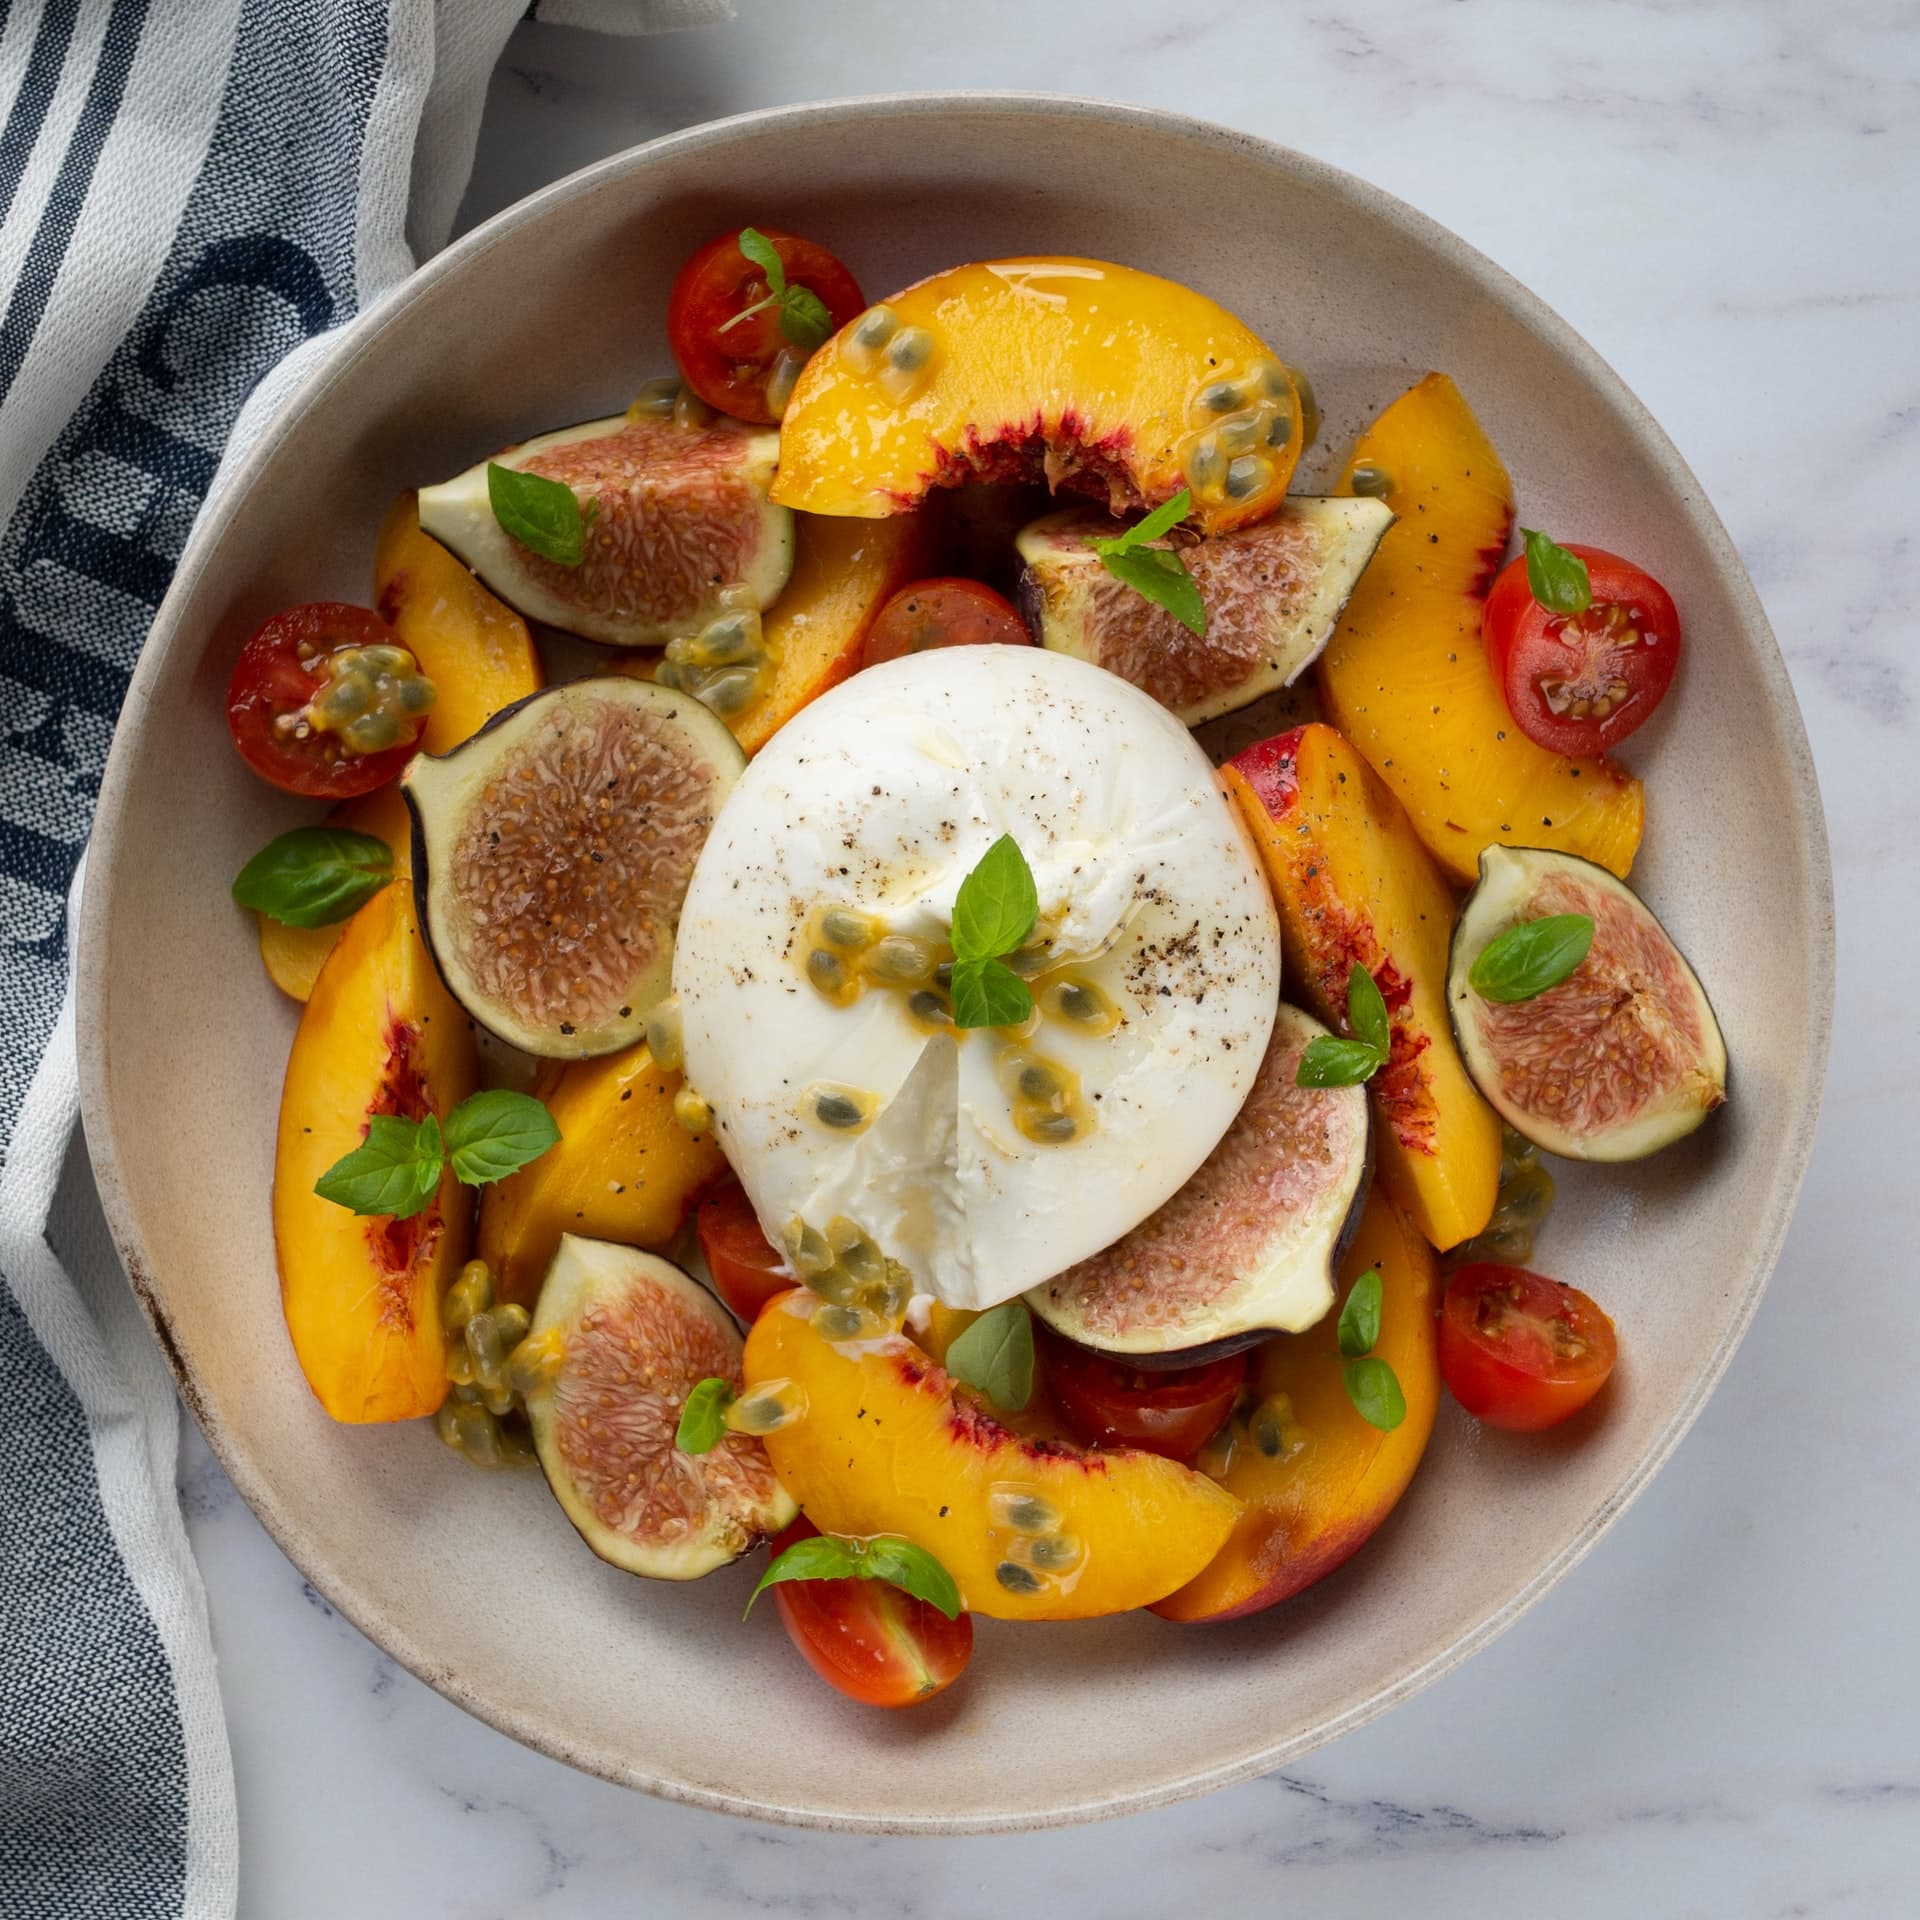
(380, 1034)
(1030, 1529)
(1405, 676)
(1353, 883)
(624, 1170)
(1095, 376)
(844, 572)
(1315, 1477)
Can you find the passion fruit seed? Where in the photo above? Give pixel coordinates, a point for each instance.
(806, 1247)
(535, 1362)
(863, 343)
(692, 1112)
(655, 399)
(1270, 378)
(729, 693)
(1373, 482)
(471, 1293)
(1016, 1578)
(459, 1360)
(930, 1009)
(909, 359)
(902, 959)
(1247, 475)
(690, 411)
(837, 1322)
(827, 972)
(1241, 434)
(1045, 1127)
(768, 1407)
(1222, 396)
(666, 1038)
(1028, 962)
(1081, 1003)
(848, 930)
(1206, 465)
(371, 698)
(845, 1109)
(730, 641)
(1279, 430)
(854, 1252)
(1520, 1208)
(782, 377)
(1055, 1552)
(1273, 1429)
(1021, 1509)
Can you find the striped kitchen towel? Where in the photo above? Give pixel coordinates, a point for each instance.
(191, 192)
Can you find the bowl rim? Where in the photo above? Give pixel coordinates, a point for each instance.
(1808, 832)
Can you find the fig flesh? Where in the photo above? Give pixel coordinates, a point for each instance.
(1273, 593)
(1624, 1056)
(1249, 1245)
(679, 529)
(551, 854)
(630, 1336)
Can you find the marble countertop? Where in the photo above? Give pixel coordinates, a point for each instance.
(1717, 1713)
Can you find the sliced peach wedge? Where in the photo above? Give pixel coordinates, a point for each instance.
(1405, 676)
(1087, 374)
(1353, 884)
(624, 1170)
(1030, 1529)
(379, 1034)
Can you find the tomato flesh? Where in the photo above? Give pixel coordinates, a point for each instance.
(942, 613)
(747, 1268)
(1174, 1411)
(1581, 683)
(1518, 1350)
(278, 674)
(878, 1645)
(730, 366)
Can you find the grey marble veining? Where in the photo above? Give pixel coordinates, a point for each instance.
(1719, 1713)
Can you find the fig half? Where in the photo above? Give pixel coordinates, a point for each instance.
(629, 1336)
(1249, 1245)
(1620, 1059)
(551, 854)
(679, 529)
(1273, 593)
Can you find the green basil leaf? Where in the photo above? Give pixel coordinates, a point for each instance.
(997, 904)
(822, 1556)
(394, 1170)
(703, 1419)
(1529, 958)
(911, 1568)
(1162, 577)
(994, 1356)
(988, 993)
(1328, 1062)
(1163, 519)
(766, 256)
(804, 318)
(495, 1133)
(314, 876)
(1556, 578)
(1375, 1392)
(1359, 1327)
(540, 513)
(1367, 1012)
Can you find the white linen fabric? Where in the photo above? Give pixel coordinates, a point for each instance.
(192, 194)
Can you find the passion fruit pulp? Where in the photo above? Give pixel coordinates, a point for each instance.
(1249, 1245)
(632, 1335)
(678, 527)
(1272, 592)
(551, 854)
(1621, 1058)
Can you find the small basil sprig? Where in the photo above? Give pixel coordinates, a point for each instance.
(1530, 957)
(703, 1420)
(1156, 573)
(314, 876)
(1556, 578)
(1371, 1383)
(994, 1356)
(1333, 1062)
(540, 513)
(993, 913)
(802, 314)
(396, 1169)
(825, 1556)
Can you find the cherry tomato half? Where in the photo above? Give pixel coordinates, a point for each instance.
(876, 1644)
(1521, 1351)
(746, 1267)
(288, 664)
(941, 613)
(1580, 683)
(730, 365)
(1174, 1411)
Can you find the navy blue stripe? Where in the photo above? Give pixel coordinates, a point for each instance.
(50, 43)
(62, 211)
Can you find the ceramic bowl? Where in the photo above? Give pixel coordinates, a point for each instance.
(553, 312)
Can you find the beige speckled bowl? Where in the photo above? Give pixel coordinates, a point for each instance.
(552, 312)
